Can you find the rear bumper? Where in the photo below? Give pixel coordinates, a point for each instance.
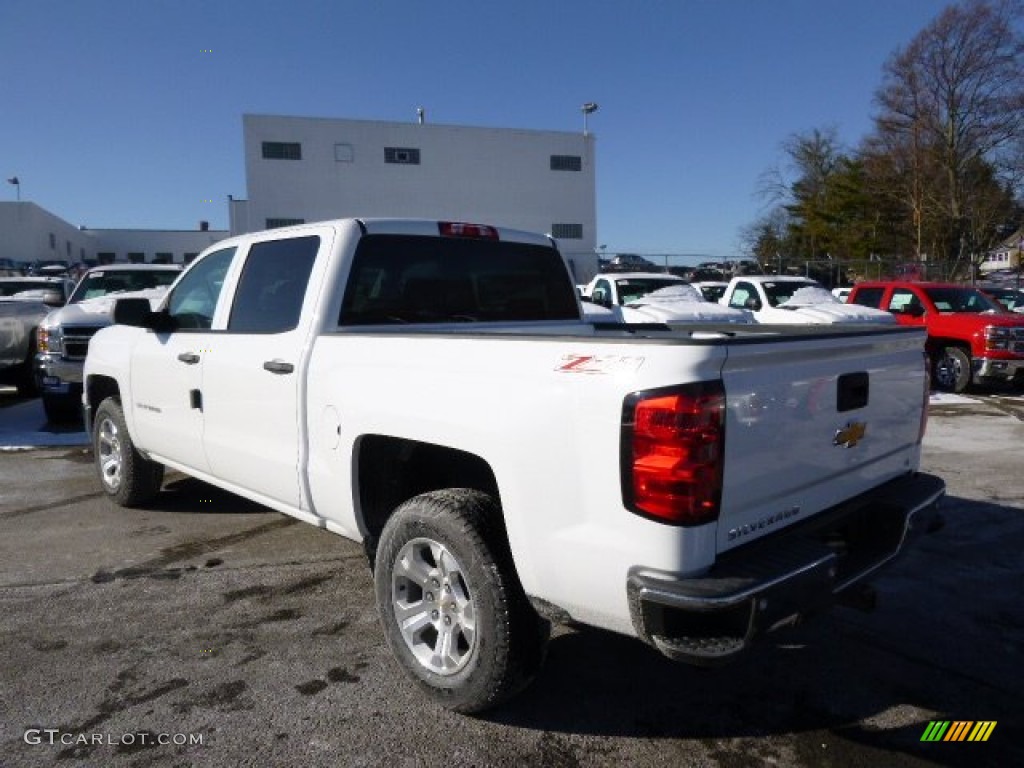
(775, 581)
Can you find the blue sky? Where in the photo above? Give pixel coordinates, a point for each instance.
(128, 113)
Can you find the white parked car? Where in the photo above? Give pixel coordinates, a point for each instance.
(785, 299)
(616, 289)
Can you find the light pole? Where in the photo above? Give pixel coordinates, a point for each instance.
(589, 108)
(17, 184)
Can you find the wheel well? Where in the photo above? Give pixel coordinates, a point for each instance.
(937, 344)
(390, 470)
(99, 388)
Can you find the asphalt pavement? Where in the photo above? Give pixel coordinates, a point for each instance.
(206, 630)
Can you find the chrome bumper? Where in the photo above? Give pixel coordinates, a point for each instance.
(778, 580)
(989, 368)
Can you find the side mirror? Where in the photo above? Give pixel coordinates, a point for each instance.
(138, 312)
(53, 299)
(135, 312)
(914, 310)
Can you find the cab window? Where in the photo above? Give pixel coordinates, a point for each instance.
(904, 302)
(869, 297)
(272, 285)
(194, 298)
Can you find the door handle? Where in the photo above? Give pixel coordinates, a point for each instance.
(189, 358)
(277, 366)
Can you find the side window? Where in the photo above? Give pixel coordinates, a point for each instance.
(272, 285)
(602, 293)
(869, 297)
(903, 301)
(744, 297)
(194, 298)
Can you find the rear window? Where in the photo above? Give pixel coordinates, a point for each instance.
(408, 279)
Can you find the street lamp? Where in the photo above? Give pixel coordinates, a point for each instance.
(17, 184)
(589, 108)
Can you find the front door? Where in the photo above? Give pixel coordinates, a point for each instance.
(167, 368)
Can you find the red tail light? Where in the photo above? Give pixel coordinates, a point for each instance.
(673, 443)
(458, 229)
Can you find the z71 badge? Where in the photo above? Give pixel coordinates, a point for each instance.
(598, 364)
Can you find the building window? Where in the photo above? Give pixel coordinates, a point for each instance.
(275, 223)
(402, 155)
(282, 150)
(105, 257)
(567, 231)
(136, 258)
(53, 242)
(163, 258)
(566, 163)
(343, 153)
(190, 257)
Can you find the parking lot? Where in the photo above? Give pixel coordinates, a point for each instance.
(207, 630)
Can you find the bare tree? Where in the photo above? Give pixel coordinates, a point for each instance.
(952, 102)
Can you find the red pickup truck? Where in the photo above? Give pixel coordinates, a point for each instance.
(972, 338)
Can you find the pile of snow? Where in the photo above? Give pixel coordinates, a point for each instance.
(815, 304)
(679, 304)
(104, 305)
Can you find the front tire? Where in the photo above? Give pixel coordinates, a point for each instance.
(26, 381)
(952, 370)
(453, 611)
(128, 478)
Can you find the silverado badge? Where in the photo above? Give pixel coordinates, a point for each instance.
(850, 435)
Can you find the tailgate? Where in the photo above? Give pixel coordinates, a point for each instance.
(813, 421)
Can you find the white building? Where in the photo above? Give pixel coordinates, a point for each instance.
(301, 169)
(1006, 255)
(30, 233)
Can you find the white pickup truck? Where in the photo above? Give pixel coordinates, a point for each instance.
(788, 299)
(431, 390)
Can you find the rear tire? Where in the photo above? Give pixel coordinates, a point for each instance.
(128, 478)
(952, 370)
(453, 611)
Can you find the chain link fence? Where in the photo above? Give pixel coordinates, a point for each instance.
(830, 272)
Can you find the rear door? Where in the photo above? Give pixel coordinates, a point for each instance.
(813, 421)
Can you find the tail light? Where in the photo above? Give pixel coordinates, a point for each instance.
(459, 229)
(673, 443)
